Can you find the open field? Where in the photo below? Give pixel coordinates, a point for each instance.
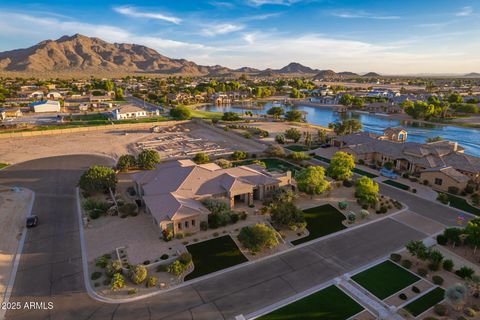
(13, 209)
(214, 255)
(330, 303)
(321, 221)
(425, 302)
(385, 279)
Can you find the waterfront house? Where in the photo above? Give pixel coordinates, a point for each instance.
(445, 177)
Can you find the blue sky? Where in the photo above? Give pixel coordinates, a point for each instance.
(390, 37)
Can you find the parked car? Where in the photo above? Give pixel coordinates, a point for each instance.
(32, 221)
(388, 173)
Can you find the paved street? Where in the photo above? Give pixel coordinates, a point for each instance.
(50, 268)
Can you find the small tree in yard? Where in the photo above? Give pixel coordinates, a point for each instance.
(275, 150)
(98, 179)
(257, 237)
(151, 282)
(312, 181)
(293, 116)
(176, 268)
(126, 162)
(138, 274)
(456, 295)
(341, 166)
(239, 155)
(298, 156)
(201, 158)
(115, 266)
(118, 282)
(293, 134)
(147, 159)
(366, 190)
(223, 163)
(230, 116)
(473, 231)
(285, 213)
(280, 138)
(180, 113)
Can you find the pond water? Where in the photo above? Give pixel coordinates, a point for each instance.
(417, 132)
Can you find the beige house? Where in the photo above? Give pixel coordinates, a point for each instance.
(405, 156)
(443, 178)
(173, 192)
(395, 134)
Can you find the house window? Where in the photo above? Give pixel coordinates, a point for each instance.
(186, 224)
(193, 223)
(180, 226)
(438, 181)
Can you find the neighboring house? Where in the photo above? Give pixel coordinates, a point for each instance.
(54, 95)
(129, 111)
(36, 95)
(383, 107)
(408, 156)
(46, 106)
(10, 113)
(97, 99)
(395, 134)
(443, 178)
(173, 192)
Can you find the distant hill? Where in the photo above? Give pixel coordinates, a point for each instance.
(326, 75)
(372, 75)
(348, 74)
(473, 75)
(247, 70)
(80, 53)
(296, 68)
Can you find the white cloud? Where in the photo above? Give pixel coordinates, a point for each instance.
(132, 12)
(465, 12)
(259, 3)
(222, 28)
(361, 14)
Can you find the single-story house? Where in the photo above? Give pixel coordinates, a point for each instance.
(445, 177)
(10, 113)
(129, 111)
(173, 192)
(46, 106)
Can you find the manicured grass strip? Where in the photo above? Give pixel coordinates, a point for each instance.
(397, 184)
(385, 279)
(273, 164)
(462, 204)
(206, 114)
(297, 148)
(321, 221)
(330, 303)
(425, 302)
(364, 173)
(3, 165)
(213, 255)
(322, 159)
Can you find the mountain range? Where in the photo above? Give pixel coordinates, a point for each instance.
(80, 54)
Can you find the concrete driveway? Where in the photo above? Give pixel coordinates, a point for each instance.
(50, 268)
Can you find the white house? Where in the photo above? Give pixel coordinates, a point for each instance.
(36, 95)
(54, 95)
(46, 106)
(129, 111)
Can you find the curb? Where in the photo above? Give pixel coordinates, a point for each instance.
(16, 259)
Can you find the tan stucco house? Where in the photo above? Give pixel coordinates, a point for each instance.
(443, 178)
(173, 192)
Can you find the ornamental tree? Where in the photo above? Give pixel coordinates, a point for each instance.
(147, 159)
(366, 190)
(98, 179)
(311, 180)
(257, 237)
(341, 166)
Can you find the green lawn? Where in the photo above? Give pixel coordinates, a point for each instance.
(462, 204)
(397, 184)
(298, 148)
(364, 173)
(273, 164)
(3, 165)
(206, 114)
(322, 159)
(321, 221)
(385, 279)
(328, 304)
(213, 255)
(425, 302)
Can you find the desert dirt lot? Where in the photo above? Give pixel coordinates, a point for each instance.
(110, 143)
(13, 209)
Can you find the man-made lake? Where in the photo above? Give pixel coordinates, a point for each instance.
(417, 132)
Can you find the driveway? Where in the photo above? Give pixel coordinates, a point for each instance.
(50, 268)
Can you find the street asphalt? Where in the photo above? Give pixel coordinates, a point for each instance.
(50, 269)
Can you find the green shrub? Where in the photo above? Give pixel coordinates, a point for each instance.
(146, 262)
(440, 310)
(415, 289)
(465, 272)
(407, 264)
(176, 268)
(469, 312)
(167, 234)
(185, 258)
(402, 296)
(118, 282)
(129, 209)
(164, 256)
(126, 162)
(257, 237)
(132, 291)
(448, 265)
(437, 280)
(115, 266)
(239, 155)
(395, 257)
(348, 183)
(148, 159)
(95, 208)
(102, 262)
(98, 179)
(441, 239)
(96, 275)
(443, 198)
(234, 217)
(201, 158)
(422, 272)
(151, 282)
(138, 274)
(203, 225)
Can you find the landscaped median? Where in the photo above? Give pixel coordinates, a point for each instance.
(3, 165)
(425, 302)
